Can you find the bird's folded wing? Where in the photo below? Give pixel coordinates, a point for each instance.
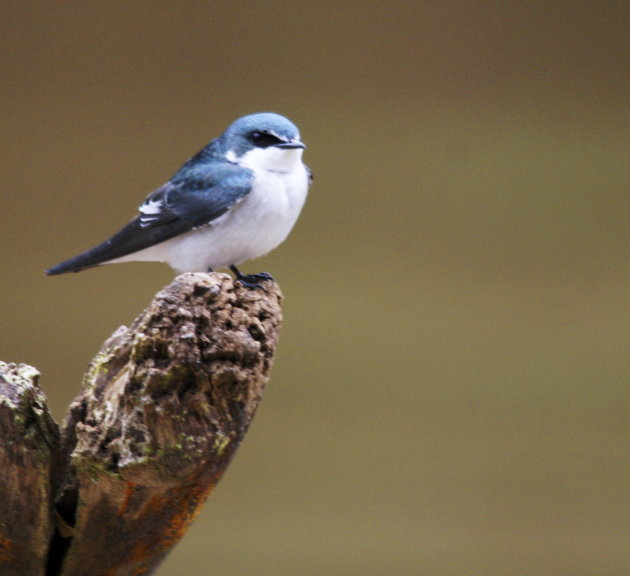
(177, 207)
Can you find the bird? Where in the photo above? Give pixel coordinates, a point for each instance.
(235, 200)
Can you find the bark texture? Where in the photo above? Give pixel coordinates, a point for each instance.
(164, 405)
(29, 440)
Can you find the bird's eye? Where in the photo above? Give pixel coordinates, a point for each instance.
(264, 139)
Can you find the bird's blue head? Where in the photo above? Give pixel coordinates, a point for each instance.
(266, 140)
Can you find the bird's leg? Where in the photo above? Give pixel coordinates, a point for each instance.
(251, 280)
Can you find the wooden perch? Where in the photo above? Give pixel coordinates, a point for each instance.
(29, 444)
(164, 405)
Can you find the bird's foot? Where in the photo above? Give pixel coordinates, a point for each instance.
(251, 280)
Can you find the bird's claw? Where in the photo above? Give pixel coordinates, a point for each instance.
(251, 281)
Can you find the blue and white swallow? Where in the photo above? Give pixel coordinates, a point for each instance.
(236, 200)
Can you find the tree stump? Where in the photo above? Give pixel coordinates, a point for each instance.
(163, 407)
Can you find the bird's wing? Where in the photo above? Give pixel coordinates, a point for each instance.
(177, 207)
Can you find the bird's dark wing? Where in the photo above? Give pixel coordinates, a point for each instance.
(177, 207)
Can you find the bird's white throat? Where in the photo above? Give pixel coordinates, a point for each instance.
(272, 159)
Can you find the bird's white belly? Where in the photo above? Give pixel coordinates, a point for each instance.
(250, 229)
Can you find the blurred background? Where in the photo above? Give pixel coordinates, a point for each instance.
(451, 393)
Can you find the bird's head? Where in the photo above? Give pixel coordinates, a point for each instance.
(265, 141)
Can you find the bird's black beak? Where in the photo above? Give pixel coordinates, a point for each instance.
(293, 143)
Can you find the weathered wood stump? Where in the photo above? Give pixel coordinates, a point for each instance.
(163, 407)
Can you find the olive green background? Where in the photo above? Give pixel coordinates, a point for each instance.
(451, 393)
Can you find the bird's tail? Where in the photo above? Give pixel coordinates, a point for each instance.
(129, 240)
(86, 260)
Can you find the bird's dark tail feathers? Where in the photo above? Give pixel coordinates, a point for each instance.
(130, 239)
(76, 264)
(96, 256)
